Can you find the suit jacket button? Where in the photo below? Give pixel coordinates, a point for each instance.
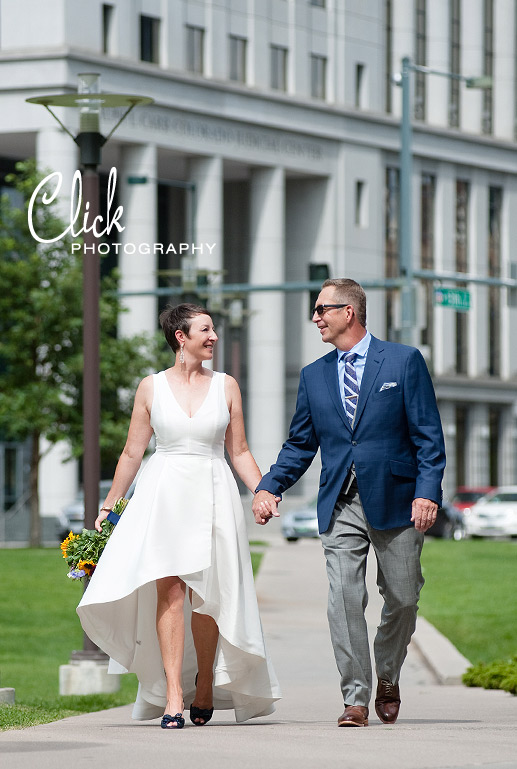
(354, 443)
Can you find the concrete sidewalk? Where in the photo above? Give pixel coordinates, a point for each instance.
(439, 726)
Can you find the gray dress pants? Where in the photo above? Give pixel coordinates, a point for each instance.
(399, 578)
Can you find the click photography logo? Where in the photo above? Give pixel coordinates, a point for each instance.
(49, 189)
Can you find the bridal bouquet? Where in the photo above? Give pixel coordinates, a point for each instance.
(82, 551)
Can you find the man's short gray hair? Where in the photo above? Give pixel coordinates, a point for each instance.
(350, 292)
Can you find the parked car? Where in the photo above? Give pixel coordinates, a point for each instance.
(303, 522)
(494, 515)
(465, 496)
(449, 523)
(300, 522)
(71, 518)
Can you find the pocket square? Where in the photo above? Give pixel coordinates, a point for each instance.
(388, 385)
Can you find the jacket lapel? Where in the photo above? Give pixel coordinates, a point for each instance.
(374, 361)
(330, 373)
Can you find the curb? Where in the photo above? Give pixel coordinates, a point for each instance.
(441, 656)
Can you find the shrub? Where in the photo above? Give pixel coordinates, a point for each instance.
(500, 674)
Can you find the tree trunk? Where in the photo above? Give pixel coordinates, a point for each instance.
(35, 520)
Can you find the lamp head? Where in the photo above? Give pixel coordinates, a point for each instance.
(89, 108)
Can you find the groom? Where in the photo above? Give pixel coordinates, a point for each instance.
(370, 407)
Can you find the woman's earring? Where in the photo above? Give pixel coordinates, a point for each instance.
(182, 355)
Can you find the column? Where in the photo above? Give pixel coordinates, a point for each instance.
(438, 57)
(504, 65)
(448, 417)
(55, 151)
(477, 448)
(207, 238)
(471, 63)
(509, 308)
(444, 354)
(138, 268)
(403, 44)
(266, 327)
(478, 265)
(507, 445)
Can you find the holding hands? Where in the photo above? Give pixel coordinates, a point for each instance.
(265, 507)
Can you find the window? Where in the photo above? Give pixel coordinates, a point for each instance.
(361, 204)
(318, 76)
(318, 3)
(462, 260)
(488, 62)
(495, 201)
(195, 49)
(495, 415)
(391, 248)
(455, 62)
(238, 59)
(461, 443)
(360, 78)
(150, 39)
(389, 52)
(107, 28)
(420, 58)
(278, 68)
(11, 467)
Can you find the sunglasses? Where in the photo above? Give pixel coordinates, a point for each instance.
(321, 308)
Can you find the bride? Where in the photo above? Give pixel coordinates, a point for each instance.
(183, 533)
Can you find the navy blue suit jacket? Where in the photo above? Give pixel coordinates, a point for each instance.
(396, 443)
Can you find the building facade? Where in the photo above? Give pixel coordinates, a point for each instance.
(273, 144)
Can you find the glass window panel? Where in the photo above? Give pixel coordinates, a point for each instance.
(391, 247)
(107, 28)
(238, 59)
(495, 200)
(278, 68)
(455, 62)
(461, 247)
(149, 39)
(195, 49)
(318, 76)
(420, 58)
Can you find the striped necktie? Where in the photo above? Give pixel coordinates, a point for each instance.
(351, 386)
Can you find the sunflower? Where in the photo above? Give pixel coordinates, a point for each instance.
(66, 542)
(87, 566)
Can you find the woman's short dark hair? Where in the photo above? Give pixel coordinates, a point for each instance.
(179, 318)
(350, 292)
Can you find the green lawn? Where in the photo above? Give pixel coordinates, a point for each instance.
(470, 595)
(39, 629)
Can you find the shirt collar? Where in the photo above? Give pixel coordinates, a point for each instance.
(360, 349)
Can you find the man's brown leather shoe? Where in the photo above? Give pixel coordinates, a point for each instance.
(353, 715)
(387, 701)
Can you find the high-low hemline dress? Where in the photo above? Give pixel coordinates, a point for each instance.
(184, 519)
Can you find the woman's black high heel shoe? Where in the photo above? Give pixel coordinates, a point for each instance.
(173, 722)
(204, 713)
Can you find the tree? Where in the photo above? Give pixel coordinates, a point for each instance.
(41, 340)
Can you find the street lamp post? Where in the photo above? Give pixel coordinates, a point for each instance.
(90, 141)
(407, 271)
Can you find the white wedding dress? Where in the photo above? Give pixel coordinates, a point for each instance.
(185, 519)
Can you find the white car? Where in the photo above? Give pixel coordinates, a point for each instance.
(494, 515)
(301, 522)
(71, 518)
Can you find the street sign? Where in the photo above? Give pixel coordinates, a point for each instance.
(456, 298)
